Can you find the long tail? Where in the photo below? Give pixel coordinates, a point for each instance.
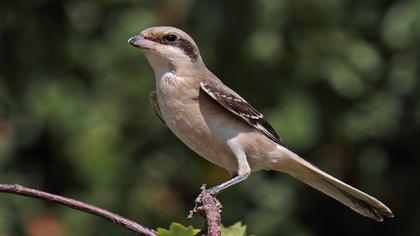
(346, 194)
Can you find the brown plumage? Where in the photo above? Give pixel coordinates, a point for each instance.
(219, 125)
(238, 106)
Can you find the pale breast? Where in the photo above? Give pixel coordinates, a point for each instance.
(182, 111)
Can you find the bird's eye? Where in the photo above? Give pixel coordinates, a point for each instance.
(170, 37)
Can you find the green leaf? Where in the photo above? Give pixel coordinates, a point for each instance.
(177, 229)
(236, 229)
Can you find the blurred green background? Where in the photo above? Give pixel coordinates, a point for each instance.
(339, 80)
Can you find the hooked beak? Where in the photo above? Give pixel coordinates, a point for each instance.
(139, 41)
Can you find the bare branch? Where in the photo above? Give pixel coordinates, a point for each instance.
(210, 208)
(33, 193)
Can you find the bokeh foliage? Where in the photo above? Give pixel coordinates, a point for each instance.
(338, 79)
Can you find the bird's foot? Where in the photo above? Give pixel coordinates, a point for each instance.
(205, 198)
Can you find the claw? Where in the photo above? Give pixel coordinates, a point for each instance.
(198, 199)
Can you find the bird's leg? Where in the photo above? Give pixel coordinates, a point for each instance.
(234, 180)
(218, 188)
(243, 169)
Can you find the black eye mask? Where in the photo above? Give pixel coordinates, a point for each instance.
(176, 41)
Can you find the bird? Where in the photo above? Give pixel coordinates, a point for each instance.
(222, 127)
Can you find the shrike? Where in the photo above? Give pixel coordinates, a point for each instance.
(219, 125)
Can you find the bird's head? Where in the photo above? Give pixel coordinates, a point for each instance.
(167, 47)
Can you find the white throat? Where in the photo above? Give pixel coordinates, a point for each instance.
(160, 65)
(168, 59)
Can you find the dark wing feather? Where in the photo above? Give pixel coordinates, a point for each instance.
(238, 106)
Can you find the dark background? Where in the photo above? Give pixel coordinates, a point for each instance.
(339, 80)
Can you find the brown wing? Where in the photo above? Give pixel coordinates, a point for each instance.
(238, 106)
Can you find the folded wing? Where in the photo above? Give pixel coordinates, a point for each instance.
(234, 103)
